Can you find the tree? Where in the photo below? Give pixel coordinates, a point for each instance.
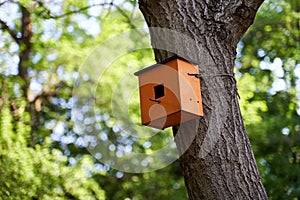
(34, 166)
(219, 164)
(269, 58)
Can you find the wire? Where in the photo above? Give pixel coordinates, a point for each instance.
(216, 75)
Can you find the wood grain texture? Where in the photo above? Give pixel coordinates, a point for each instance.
(219, 164)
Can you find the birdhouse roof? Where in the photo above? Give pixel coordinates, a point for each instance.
(163, 62)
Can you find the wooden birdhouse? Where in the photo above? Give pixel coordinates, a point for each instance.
(169, 93)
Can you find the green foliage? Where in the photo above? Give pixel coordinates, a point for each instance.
(59, 167)
(56, 168)
(161, 184)
(40, 172)
(270, 91)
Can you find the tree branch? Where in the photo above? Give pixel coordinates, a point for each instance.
(244, 15)
(254, 4)
(2, 3)
(126, 16)
(49, 15)
(5, 27)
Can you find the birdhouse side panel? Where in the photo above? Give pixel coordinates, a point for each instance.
(190, 92)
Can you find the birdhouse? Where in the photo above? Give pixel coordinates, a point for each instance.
(169, 93)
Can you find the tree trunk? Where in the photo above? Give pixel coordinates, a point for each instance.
(219, 163)
(26, 46)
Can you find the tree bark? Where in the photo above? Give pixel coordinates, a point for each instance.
(219, 163)
(25, 43)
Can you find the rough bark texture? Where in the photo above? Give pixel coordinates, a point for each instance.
(219, 164)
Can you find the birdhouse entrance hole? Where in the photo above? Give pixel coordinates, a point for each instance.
(159, 91)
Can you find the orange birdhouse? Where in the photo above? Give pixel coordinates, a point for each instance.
(169, 93)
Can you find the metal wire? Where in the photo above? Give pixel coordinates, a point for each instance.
(216, 75)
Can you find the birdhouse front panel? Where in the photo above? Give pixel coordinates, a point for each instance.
(159, 94)
(168, 95)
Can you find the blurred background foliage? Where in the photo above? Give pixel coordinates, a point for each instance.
(52, 161)
(268, 65)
